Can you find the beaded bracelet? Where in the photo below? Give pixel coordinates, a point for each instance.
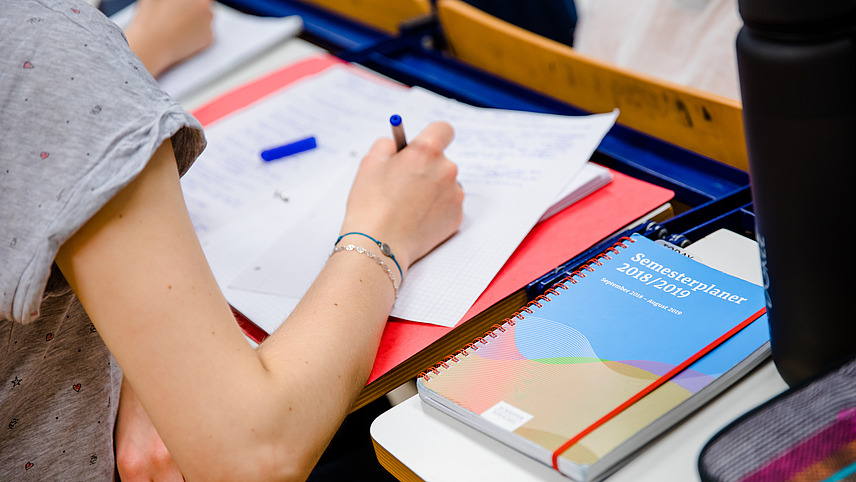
(375, 258)
(384, 248)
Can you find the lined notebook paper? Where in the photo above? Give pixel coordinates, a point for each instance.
(513, 166)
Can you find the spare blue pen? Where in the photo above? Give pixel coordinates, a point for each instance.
(289, 149)
(398, 132)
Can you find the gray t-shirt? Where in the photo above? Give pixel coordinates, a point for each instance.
(79, 118)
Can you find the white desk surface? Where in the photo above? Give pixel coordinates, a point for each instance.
(436, 447)
(288, 51)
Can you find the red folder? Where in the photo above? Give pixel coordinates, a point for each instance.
(406, 347)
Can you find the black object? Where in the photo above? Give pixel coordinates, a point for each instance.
(109, 7)
(797, 66)
(350, 455)
(554, 19)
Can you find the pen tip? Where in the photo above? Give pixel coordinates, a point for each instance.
(395, 120)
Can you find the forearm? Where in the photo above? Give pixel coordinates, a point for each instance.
(313, 368)
(140, 451)
(164, 32)
(343, 314)
(155, 57)
(325, 350)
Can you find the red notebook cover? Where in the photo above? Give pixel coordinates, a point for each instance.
(549, 244)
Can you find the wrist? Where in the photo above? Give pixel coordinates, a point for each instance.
(377, 245)
(375, 258)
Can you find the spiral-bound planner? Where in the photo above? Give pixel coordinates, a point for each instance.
(584, 376)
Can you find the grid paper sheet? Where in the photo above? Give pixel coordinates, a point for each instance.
(512, 165)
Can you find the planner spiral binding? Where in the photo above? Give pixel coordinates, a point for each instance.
(652, 230)
(538, 301)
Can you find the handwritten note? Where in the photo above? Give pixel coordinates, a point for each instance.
(512, 166)
(336, 107)
(232, 194)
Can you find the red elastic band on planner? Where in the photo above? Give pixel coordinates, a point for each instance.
(658, 382)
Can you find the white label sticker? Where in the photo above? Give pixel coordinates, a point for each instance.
(506, 416)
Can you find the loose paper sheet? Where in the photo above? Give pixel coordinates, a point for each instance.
(512, 166)
(232, 194)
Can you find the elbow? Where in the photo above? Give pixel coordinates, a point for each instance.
(286, 465)
(266, 464)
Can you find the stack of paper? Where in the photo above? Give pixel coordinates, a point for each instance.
(591, 178)
(513, 167)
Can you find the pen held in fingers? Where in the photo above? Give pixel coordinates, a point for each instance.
(398, 132)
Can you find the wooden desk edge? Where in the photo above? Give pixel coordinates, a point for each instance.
(393, 465)
(693, 119)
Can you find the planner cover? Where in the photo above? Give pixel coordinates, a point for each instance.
(607, 359)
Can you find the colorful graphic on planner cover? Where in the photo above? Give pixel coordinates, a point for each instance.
(603, 339)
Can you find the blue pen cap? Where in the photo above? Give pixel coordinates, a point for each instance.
(395, 120)
(289, 149)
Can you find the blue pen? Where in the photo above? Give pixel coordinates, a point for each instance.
(398, 132)
(289, 149)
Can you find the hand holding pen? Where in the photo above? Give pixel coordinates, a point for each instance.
(407, 198)
(399, 137)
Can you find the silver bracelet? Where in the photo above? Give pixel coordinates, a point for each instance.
(376, 259)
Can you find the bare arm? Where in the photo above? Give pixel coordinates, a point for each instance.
(162, 33)
(165, 32)
(140, 453)
(224, 410)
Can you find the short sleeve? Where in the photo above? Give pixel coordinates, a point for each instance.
(80, 118)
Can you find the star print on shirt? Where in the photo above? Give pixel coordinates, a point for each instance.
(17, 381)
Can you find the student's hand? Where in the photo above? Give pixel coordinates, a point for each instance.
(410, 199)
(140, 452)
(165, 32)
